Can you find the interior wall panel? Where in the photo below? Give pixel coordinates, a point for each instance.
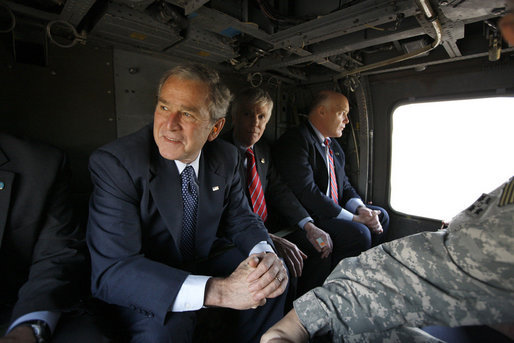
(136, 77)
(68, 103)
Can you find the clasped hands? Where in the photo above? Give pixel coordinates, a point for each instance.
(369, 218)
(257, 278)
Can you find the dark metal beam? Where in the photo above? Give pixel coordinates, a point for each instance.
(189, 6)
(75, 10)
(31, 12)
(355, 18)
(354, 41)
(452, 31)
(417, 66)
(216, 21)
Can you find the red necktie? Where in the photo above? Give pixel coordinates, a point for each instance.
(255, 187)
(333, 181)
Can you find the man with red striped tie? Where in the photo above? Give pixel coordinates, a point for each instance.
(312, 163)
(292, 230)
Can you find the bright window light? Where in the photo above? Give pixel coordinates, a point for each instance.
(446, 154)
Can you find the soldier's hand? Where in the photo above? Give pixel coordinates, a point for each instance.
(291, 254)
(20, 334)
(269, 279)
(288, 330)
(319, 239)
(234, 290)
(369, 218)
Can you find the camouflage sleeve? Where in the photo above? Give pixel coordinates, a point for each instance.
(425, 279)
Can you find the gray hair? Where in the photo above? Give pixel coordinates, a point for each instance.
(251, 96)
(219, 95)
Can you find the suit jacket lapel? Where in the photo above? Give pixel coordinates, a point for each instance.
(166, 190)
(211, 197)
(317, 143)
(7, 179)
(229, 137)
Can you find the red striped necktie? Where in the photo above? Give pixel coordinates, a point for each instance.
(333, 180)
(255, 187)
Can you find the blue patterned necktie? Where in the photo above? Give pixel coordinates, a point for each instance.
(190, 200)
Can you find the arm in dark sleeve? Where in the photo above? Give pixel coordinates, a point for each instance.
(238, 222)
(282, 200)
(347, 189)
(121, 274)
(295, 159)
(59, 271)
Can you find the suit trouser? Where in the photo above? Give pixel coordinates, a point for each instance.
(315, 269)
(243, 326)
(351, 238)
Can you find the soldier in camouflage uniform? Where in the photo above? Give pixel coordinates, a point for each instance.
(463, 275)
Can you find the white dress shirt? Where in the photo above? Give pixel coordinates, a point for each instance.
(192, 292)
(351, 205)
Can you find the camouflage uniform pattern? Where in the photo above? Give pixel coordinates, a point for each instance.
(463, 275)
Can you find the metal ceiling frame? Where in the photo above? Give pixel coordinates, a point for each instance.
(189, 6)
(75, 10)
(354, 41)
(342, 22)
(325, 41)
(295, 39)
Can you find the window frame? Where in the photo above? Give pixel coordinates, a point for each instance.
(420, 100)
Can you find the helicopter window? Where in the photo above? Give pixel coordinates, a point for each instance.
(446, 153)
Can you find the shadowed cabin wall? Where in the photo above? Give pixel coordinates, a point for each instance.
(83, 98)
(68, 103)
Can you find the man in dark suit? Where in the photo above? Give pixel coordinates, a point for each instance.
(251, 111)
(313, 165)
(43, 256)
(165, 199)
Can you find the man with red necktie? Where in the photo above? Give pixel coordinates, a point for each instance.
(304, 246)
(312, 163)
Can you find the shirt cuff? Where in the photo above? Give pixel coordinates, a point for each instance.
(261, 247)
(345, 214)
(191, 295)
(49, 317)
(353, 203)
(304, 221)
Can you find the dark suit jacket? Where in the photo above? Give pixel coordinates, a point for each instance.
(279, 198)
(300, 159)
(43, 261)
(135, 220)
